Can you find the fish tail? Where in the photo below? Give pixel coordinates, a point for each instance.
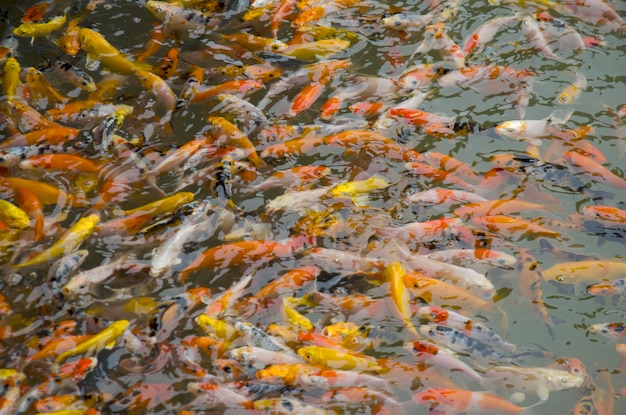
(559, 116)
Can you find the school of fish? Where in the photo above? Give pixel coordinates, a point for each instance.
(284, 207)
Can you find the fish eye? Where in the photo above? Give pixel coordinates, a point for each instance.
(559, 278)
(510, 129)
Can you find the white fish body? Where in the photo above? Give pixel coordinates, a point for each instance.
(530, 130)
(538, 380)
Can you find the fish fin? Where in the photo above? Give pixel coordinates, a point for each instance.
(559, 116)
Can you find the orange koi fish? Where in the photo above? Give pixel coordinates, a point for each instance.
(69, 42)
(605, 213)
(499, 207)
(31, 204)
(26, 117)
(57, 346)
(425, 170)
(460, 401)
(158, 88)
(48, 194)
(366, 109)
(594, 170)
(529, 280)
(452, 165)
(237, 87)
(514, 226)
(41, 89)
(248, 252)
(255, 43)
(223, 132)
(52, 135)
(65, 162)
(287, 283)
(436, 291)
(434, 124)
(292, 177)
(307, 96)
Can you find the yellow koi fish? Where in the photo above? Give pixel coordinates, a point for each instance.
(161, 206)
(68, 242)
(394, 275)
(105, 339)
(98, 48)
(357, 189)
(13, 216)
(334, 359)
(34, 30)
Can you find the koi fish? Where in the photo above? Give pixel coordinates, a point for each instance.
(434, 291)
(13, 216)
(250, 115)
(577, 272)
(439, 356)
(11, 77)
(531, 130)
(570, 93)
(595, 170)
(68, 242)
(190, 21)
(456, 401)
(538, 380)
(71, 74)
(34, 30)
(223, 132)
(610, 330)
(105, 339)
(459, 342)
(334, 359)
(98, 48)
(485, 33)
(293, 177)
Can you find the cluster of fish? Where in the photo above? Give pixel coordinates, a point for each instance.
(252, 212)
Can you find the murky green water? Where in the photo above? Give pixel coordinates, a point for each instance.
(125, 24)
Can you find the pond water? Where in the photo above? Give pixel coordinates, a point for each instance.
(360, 223)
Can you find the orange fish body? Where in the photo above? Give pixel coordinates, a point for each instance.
(366, 109)
(456, 401)
(236, 87)
(237, 253)
(223, 132)
(288, 283)
(529, 281)
(48, 194)
(57, 346)
(307, 97)
(65, 162)
(594, 170)
(513, 226)
(452, 165)
(435, 291)
(51, 135)
(31, 204)
(433, 173)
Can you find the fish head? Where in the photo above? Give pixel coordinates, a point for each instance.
(511, 129)
(433, 313)
(564, 380)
